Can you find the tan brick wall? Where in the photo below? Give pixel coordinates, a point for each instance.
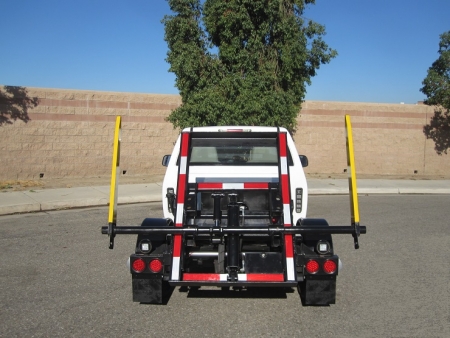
(388, 139)
(70, 133)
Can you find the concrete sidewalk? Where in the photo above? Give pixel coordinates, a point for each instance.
(54, 199)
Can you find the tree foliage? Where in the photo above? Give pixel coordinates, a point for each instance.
(436, 86)
(242, 62)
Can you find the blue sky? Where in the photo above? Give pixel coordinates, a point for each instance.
(385, 47)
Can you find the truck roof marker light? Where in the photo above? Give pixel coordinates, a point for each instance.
(329, 266)
(155, 265)
(234, 130)
(312, 266)
(138, 265)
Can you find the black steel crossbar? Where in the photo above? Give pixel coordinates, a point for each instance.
(137, 230)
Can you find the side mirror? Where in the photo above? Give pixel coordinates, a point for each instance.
(166, 160)
(304, 160)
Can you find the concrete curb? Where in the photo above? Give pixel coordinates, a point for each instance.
(78, 197)
(82, 197)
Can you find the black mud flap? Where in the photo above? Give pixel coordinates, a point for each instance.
(150, 289)
(318, 291)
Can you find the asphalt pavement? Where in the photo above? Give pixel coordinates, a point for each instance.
(59, 279)
(36, 200)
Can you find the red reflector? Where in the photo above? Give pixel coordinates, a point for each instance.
(312, 266)
(155, 265)
(274, 220)
(329, 266)
(138, 265)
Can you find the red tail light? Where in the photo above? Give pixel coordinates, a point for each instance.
(329, 266)
(312, 266)
(155, 265)
(138, 265)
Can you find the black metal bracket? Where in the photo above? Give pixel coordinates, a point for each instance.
(217, 216)
(111, 233)
(356, 232)
(171, 198)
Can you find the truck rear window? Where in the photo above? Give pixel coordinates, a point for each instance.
(233, 151)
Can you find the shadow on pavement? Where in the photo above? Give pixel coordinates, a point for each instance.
(254, 292)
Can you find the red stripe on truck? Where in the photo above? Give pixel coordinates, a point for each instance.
(201, 277)
(283, 147)
(181, 190)
(251, 185)
(184, 144)
(289, 246)
(265, 277)
(209, 186)
(242, 277)
(177, 245)
(245, 185)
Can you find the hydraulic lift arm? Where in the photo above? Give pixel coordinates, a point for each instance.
(355, 229)
(353, 190)
(115, 172)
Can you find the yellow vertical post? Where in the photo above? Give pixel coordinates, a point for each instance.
(115, 172)
(353, 190)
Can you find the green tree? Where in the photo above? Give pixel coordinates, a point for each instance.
(242, 62)
(436, 86)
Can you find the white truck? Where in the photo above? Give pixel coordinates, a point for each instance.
(235, 202)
